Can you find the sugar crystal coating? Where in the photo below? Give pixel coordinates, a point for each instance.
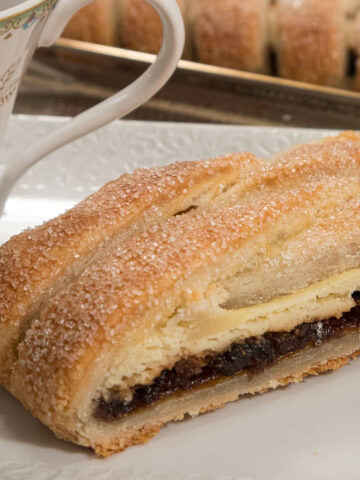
(39, 262)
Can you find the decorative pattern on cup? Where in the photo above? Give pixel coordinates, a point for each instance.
(25, 20)
(9, 82)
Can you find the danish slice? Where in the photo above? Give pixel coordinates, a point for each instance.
(177, 289)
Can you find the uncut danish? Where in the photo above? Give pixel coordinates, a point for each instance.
(94, 23)
(311, 41)
(177, 289)
(141, 28)
(230, 33)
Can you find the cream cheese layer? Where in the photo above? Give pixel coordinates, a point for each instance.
(329, 298)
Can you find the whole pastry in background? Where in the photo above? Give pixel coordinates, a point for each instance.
(351, 6)
(140, 26)
(177, 289)
(230, 33)
(304, 40)
(357, 50)
(311, 41)
(94, 23)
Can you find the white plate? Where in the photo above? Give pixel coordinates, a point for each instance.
(306, 431)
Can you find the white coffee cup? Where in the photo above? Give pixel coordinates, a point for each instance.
(27, 24)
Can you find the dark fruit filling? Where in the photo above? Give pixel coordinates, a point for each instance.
(250, 356)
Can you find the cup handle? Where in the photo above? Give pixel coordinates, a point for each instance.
(116, 106)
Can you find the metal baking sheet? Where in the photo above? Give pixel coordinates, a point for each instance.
(88, 73)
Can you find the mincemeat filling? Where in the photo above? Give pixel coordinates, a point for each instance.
(251, 356)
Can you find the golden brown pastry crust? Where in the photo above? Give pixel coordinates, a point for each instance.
(37, 263)
(85, 294)
(311, 41)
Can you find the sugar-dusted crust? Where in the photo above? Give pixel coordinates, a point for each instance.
(111, 292)
(311, 41)
(230, 33)
(37, 263)
(94, 23)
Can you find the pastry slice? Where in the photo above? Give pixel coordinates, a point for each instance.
(178, 289)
